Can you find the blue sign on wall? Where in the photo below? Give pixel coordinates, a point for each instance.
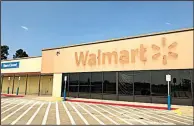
(10, 65)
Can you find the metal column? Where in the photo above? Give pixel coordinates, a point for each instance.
(39, 85)
(117, 85)
(26, 84)
(13, 83)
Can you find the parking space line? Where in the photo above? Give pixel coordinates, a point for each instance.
(46, 114)
(7, 101)
(13, 102)
(34, 115)
(102, 114)
(91, 114)
(57, 114)
(142, 122)
(12, 107)
(174, 116)
(142, 113)
(69, 115)
(114, 114)
(80, 115)
(4, 100)
(15, 111)
(161, 116)
(15, 121)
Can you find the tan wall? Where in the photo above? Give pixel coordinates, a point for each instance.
(153, 52)
(21, 84)
(57, 81)
(46, 85)
(33, 85)
(25, 65)
(7, 83)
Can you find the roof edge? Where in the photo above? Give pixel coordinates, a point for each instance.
(118, 39)
(20, 58)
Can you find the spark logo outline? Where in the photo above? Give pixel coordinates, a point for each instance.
(164, 57)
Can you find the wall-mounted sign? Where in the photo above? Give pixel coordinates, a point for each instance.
(10, 65)
(127, 56)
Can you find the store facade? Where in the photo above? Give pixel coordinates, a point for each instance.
(25, 73)
(129, 69)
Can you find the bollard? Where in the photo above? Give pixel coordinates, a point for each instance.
(64, 95)
(17, 92)
(169, 104)
(8, 90)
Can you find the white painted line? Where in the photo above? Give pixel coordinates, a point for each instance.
(80, 115)
(69, 115)
(114, 114)
(148, 115)
(103, 114)
(91, 114)
(13, 102)
(15, 111)
(57, 114)
(46, 114)
(6, 105)
(157, 115)
(15, 121)
(8, 101)
(34, 115)
(167, 115)
(12, 107)
(5, 100)
(178, 116)
(132, 113)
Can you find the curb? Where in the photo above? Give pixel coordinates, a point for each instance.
(120, 104)
(12, 95)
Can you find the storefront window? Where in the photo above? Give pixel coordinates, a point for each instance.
(159, 87)
(96, 85)
(73, 84)
(84, 87)
(181, 87)
(142, 86)
(125, 87)
(109, 86)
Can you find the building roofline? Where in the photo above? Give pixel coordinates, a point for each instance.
(20, 58)
(118, 39)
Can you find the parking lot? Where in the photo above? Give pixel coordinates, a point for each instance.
(19, 111)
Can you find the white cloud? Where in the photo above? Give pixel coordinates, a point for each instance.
(24, 27)
(167, 23)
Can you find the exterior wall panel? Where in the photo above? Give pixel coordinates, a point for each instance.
(33, 85)
(166, 51)
(25, 65)
(46, 85)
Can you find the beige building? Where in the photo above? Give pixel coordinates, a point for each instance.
(26, 74)
(129, 69)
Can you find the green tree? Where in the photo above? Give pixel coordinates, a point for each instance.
(20, 53)
(4, 52)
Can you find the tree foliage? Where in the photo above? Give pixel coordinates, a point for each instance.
(4, 52)
(20, 53)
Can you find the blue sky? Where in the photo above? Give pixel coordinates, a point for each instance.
(33, 25)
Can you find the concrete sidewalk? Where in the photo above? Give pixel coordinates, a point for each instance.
(43, 98)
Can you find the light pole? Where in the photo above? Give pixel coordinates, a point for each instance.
(64, 93)
(8, 85)
(17, 92)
